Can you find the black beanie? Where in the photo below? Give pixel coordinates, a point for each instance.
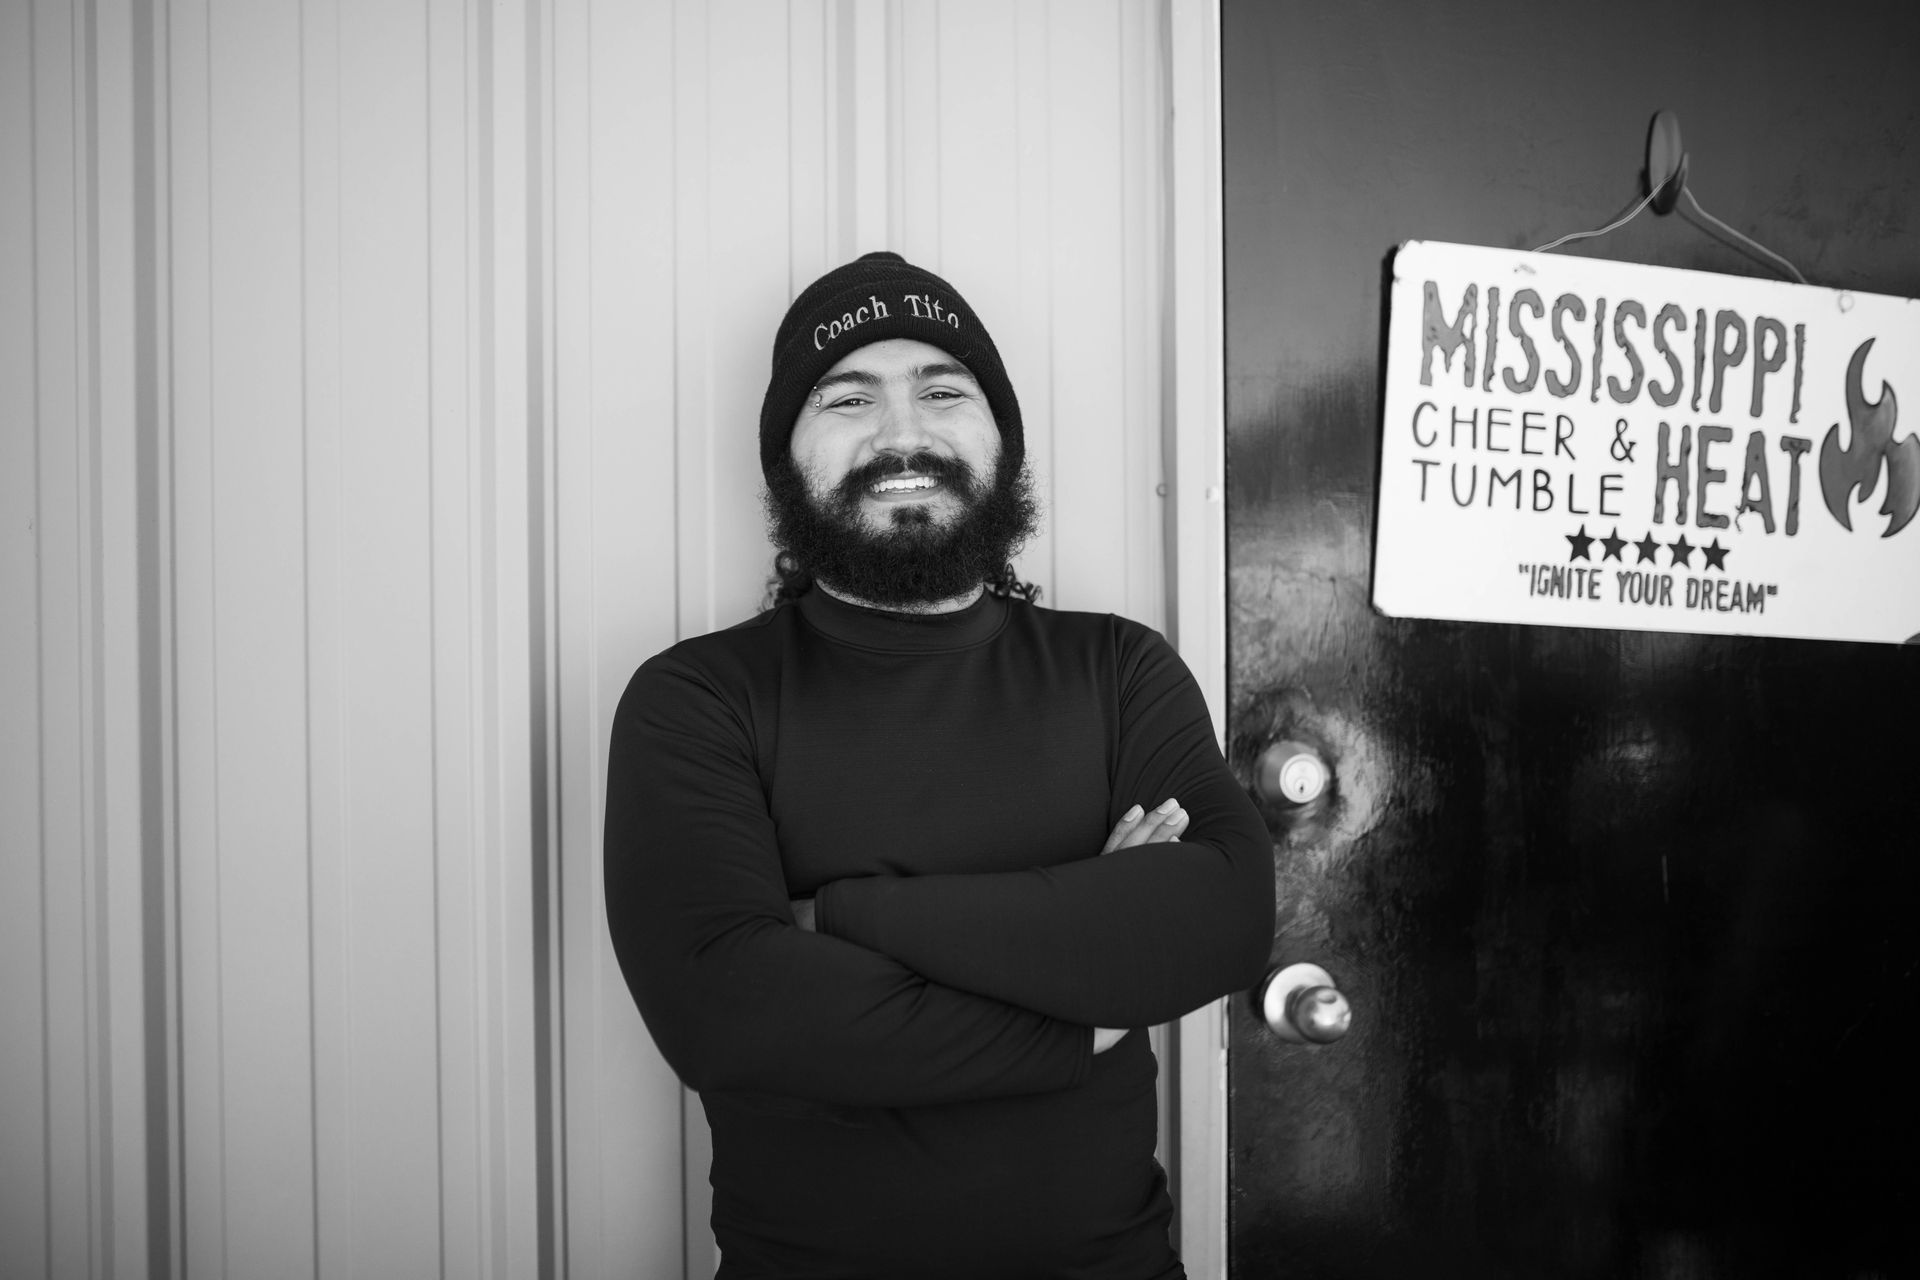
(880, 295)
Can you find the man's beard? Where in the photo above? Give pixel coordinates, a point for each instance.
(913, 561)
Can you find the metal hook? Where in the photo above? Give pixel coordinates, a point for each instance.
(1666, 172)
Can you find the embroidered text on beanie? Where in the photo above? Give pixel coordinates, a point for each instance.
(880, 295)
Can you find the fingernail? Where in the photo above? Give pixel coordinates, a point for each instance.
(1131, 815)
(1178, 817)
(1168, 806)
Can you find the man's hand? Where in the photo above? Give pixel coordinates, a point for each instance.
(1162, 826)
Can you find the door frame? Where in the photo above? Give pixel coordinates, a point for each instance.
(1195, 443)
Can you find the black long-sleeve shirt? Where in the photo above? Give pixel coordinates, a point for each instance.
(912, 1090)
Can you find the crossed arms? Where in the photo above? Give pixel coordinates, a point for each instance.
(1137, 826)
(920, 989)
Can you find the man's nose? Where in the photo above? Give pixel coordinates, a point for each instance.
(901, 427)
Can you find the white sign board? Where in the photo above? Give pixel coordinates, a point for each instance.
(1577, 443)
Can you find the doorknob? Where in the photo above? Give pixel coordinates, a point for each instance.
(1302, 1005)
(1290, 774)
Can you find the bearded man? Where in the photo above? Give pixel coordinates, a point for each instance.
(893, 867)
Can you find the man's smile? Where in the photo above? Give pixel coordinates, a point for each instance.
(903, 488)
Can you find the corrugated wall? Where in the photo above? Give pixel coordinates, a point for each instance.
(379, 384)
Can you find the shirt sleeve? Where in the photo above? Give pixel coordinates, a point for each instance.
(1129, 939)
(738, 997)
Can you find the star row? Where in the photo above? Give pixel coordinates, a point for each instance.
(1680, 551)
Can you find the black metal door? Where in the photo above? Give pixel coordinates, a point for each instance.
(1628, 920)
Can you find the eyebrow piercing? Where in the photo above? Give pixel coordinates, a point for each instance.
(816, 399)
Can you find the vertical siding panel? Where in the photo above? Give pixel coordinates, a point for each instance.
(618, 330)
(380, 526)
(631, 296)
(918, 164)
(1088, 330)
(60, 424)
(1143, 123)
(511, 509)
(1032, 197)
(257, 592)
(387, 637)
(865, 87)
(326, 472)
(56, 465)
(693, 308)
(812, 200)
(450, 254)
(747, 266)
(123, 710)
(166, 1028)
(974, 122)
(583, 1209)
(201, 1122)
(24, 1171)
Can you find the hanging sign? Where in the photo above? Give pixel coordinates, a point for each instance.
(1578, 443)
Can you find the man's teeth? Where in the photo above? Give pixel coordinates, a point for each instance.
(898, 484)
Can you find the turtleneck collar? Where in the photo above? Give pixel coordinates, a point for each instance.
(904, 632)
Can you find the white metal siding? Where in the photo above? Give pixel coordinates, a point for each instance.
(379, 383)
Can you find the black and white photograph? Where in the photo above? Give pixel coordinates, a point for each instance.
(959, 640)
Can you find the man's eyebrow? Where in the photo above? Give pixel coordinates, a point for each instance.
(856, 377)
(942, 369)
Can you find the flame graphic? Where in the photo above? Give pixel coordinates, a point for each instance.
(1857, 466)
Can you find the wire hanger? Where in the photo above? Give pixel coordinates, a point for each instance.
(1666, 181)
